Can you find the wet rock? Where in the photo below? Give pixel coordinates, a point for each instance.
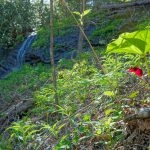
(65, 46)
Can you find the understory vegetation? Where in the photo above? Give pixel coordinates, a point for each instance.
(91, 104)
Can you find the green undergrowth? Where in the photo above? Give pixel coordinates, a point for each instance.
(43, 36)
(107, 29)
(109, 26)
(61, 28)
(21, 81)
(88, 113)
(143, 23)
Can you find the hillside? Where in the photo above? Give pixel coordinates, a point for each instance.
(102, 85)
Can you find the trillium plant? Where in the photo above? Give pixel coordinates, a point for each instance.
(137, 43)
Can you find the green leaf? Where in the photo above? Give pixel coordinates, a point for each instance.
(87, 117)
(109, 93)
(77, 13)
(12, 135)
(134, 94)
(61, 126)
(30, 133)
(86, 12)
(99, 132)
(63, 138)
(107, 123)
(82, 129)
(108, 111)
(137, 42)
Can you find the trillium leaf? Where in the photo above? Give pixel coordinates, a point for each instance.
(137, 42)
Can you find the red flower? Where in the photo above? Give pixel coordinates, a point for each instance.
(137, 71)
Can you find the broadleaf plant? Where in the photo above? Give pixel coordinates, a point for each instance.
(137, 42)
(81, 15)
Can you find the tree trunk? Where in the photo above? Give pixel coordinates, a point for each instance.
(80, 40)
(41, 12)
(52, 51)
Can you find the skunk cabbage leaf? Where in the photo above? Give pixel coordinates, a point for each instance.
(137, 42)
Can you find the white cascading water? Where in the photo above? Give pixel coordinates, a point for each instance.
(15, 62)
(24, 48)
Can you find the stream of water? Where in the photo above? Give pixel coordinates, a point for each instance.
(24, 48)
(17, 59)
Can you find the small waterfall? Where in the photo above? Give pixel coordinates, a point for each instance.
(17, 58)
(24, 48)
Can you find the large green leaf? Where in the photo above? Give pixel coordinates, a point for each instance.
(137, 42)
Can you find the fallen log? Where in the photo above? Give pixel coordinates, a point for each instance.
(143, 113)
(10, 114)
(125, 5)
